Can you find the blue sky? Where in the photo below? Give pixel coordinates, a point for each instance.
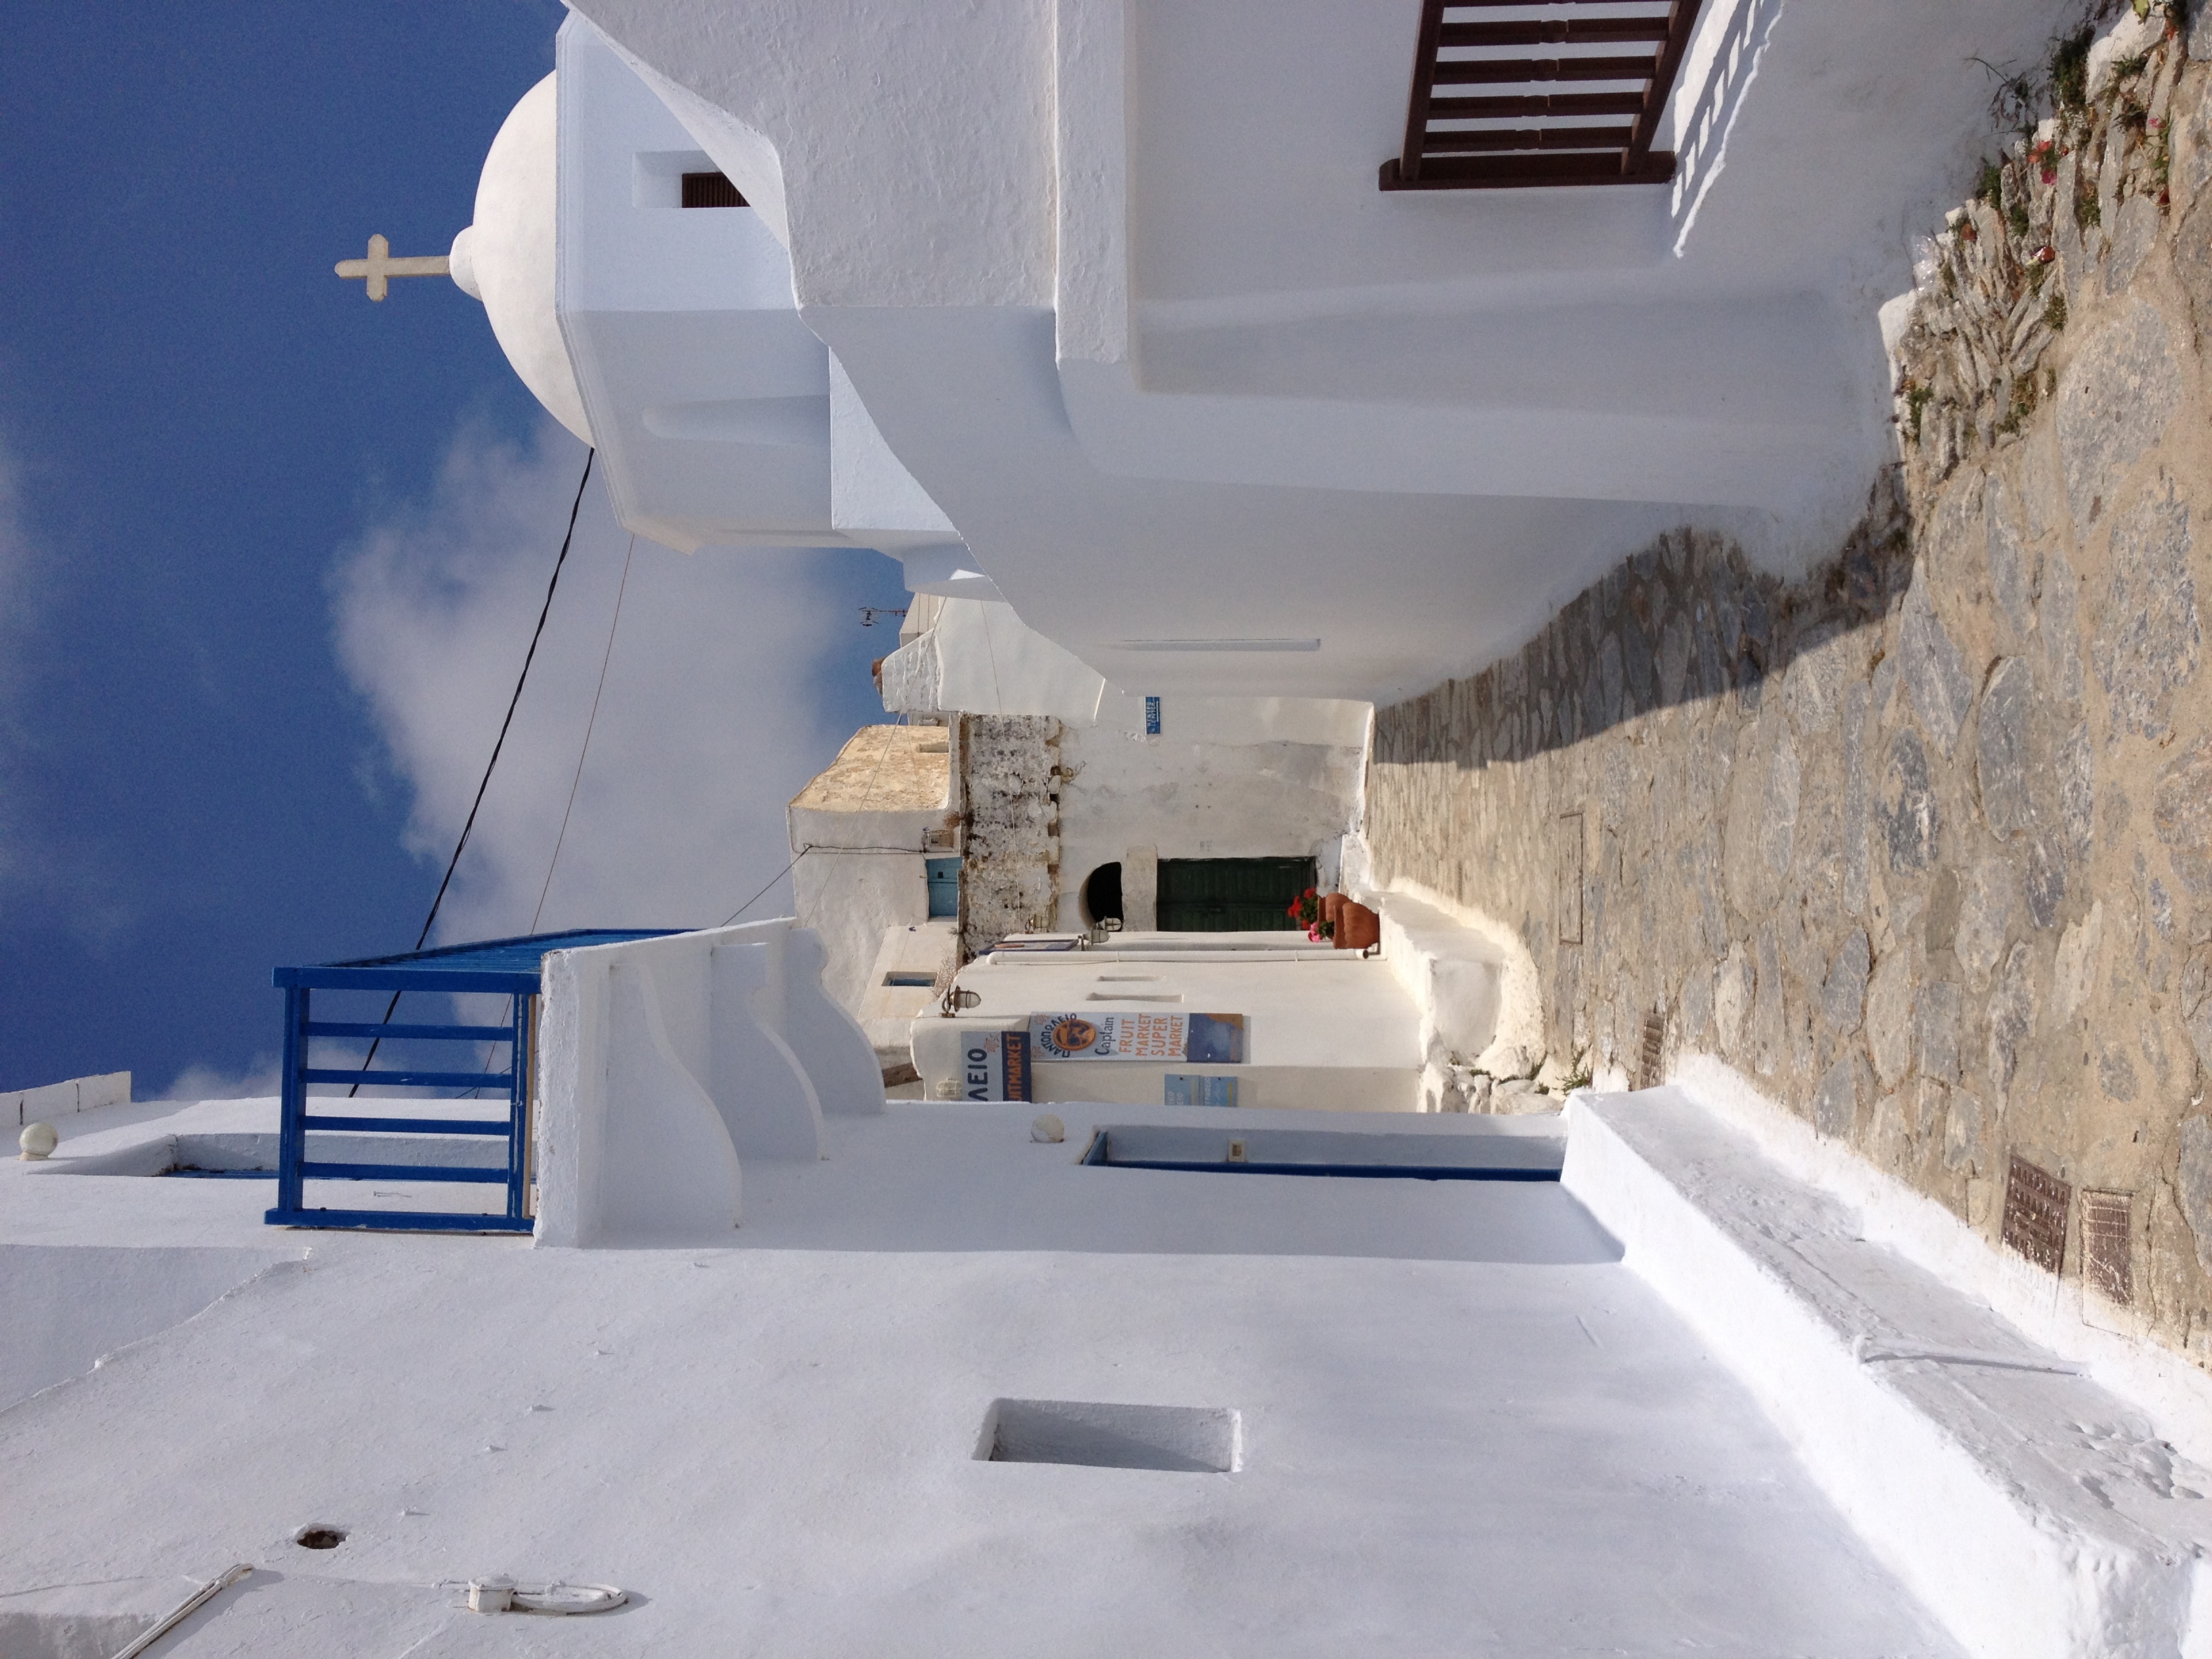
(269, 554)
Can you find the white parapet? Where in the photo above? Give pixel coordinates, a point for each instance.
(664, 1065)
(2037, 1513)
(1454, 975)
(79, 1094)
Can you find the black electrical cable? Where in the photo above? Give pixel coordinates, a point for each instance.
(776, 878)
(810, 848)
(794, 864)
(590, 725)
(543, 610)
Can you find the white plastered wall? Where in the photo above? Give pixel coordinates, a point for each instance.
(664, 1064)
(1325, 1030)
(1226, 777)
(923, 950)
(79, 1094)
(1420, 420)
(977, 657)
(851, 897)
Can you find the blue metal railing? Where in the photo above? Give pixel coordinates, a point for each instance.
(509, 968)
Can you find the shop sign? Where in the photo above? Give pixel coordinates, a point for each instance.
(1210, 1039)
(994, 1065)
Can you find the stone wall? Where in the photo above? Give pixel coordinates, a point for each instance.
(1010, 851)
(1922, 842)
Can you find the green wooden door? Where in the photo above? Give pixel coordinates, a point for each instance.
(1231, 896)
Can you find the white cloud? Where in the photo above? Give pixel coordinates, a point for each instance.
(708, 724)
(261, 1080)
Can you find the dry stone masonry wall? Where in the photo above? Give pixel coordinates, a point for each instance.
(1010, 853)
(1922, 842)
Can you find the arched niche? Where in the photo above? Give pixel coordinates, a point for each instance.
(1102, 894)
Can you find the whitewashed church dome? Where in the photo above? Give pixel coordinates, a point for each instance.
(506, 258)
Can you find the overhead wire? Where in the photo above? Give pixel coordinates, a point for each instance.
(605, 656)
(598, 690)
(772, 881)
(521, 680)
(867, 791)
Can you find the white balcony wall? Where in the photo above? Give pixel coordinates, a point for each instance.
(666, 1065)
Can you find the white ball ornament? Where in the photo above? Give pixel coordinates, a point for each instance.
(37, 1142)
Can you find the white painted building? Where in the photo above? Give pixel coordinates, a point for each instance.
(1111, 324)
(1185, 822)
(1319, 1028)
(863, 836)
(1667, 1375)
(670, 339)
(1141, 777)
(1095, 306)
(722, 420)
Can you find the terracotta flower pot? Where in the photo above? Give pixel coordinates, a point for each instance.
(1357, 927)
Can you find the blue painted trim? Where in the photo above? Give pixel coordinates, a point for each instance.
(292, 1139)
(224, 1174)
(398, 1221)
(943, 875)
(505, 981)
(1360, 1171)
(573, 938)
(367, 1028)
(509, 967)
(408, 1080)
(518, 1108)
(479, 1176)
(427, 1126)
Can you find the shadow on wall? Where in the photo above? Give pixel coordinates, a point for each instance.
(1921, 844)
(1686, 620)
(64, 1306)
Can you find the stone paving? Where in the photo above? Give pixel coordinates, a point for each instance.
(1923, 841)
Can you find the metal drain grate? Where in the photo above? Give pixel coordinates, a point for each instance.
(2036, 1202)
(1651, 1057)
(2107, 1242)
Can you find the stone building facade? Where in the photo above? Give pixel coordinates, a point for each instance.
(1920, 841)
(1010, 786)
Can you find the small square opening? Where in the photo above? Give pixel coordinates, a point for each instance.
(1096, 1434)
(710, 190)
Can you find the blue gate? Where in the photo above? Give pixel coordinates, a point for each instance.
(503, 967)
